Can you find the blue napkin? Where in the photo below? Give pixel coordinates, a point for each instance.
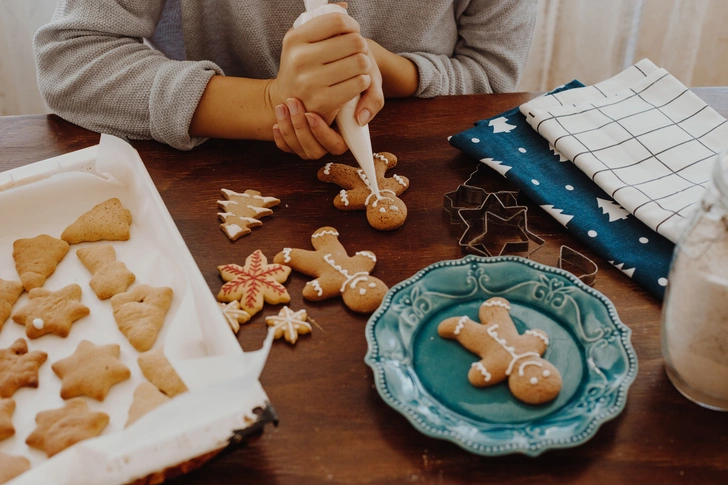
(510, 146)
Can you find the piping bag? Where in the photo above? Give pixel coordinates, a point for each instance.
(356, 136)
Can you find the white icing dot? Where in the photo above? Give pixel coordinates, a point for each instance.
(522, 150)
(38, 323)
(475, 140)
(569, 187)
(534, 380)
(535, 182)
(546, 373)
(662, 282)
(382, 210)
(644, 240)
(592, 233)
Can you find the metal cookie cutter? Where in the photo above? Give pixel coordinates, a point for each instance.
(570, 259)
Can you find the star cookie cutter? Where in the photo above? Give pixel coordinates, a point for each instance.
(570, 259)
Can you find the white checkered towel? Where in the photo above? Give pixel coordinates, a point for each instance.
(642, 136)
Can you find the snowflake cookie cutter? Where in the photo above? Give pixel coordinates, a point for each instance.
(570, 259)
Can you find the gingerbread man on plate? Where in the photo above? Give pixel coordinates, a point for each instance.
(505, 354)
(337, 273)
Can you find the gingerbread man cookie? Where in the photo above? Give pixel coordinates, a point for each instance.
(505, 354)
(386, 212)
(337, 273)
(242, 211)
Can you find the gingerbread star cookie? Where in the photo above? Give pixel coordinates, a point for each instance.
(51, 311)
(505, 354)
(7, 407)
(337, 273)
(19, 368)
(57, 429)
(140, 313)
(385, 212)
(234, 314)
(289, 324)
(10, 291)
(92, 370)
(254, 283)
(36, 259)
(107, 221)
(243, 211)
(146, 398)
(12, 466)
(110, 276)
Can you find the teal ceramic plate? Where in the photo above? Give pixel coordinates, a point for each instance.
(424, 376)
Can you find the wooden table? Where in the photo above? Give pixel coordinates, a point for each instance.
(334, 427)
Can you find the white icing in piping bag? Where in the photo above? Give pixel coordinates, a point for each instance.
(356, 136)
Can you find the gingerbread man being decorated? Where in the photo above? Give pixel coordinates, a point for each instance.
(505, 354)
(337, 273)
(386, 212)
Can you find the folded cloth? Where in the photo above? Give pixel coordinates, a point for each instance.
(642, 136)
(507, 144)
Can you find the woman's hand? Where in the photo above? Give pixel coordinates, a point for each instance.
(305, 134)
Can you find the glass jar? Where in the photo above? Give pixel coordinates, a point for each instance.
(695, 312)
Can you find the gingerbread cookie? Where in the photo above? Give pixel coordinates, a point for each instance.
(289, 324)
(10, 291)
(12, 466)
(140, 313)
(386, 212)
(107, 221)
(110, 276)
(146, 398)
(157, 369)
(234, 314)
(51, 311)
(337, 273)
(505, 354)
(91, 371)
(19, 368)
(242, 211)
(36, 259)
(7, 407)
(57, 429)
(254, 283)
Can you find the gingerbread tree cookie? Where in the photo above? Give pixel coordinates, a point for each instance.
(243, 211)
(386, 212)
(91, 371)
(110, 277)
(7, 407)
(140, 313)
(505, 354)
(10, 291)
(289, 324)
(12, 466)
(51, 311)
(57, 429)
(36, 259)
(19, 368)
(146, 398)
(107, 221)
(337, 273)
(254, 283)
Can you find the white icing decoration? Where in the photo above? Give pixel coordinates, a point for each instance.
(230, 192)
(266, 200)
(291, 321)
(287, 255)
(234, 314)
(327, 168)
(382, 158)
(345, 273)
(382, 210)
(362, 291)
(538, 334)
(344, 197)
(258, 210)
(546, 373)
(380, 197)
(460, 325)
(497, 303)
(399, 180)
(483, 371)
(317, 287)
(534, 380)
(514, 357)
(233, 230)
(323, 233)
(372, 285)
(38, 323)
(226, 203)
(393, 208)
(368, 254)
(526, 364)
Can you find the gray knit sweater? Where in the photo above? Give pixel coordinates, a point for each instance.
(137, 68)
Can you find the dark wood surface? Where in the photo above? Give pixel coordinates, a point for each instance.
(334, 427)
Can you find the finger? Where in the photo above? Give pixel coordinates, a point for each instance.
(346, 68)
(329, 138)
(326, 26)
(371, 102)
(285, 127)
(280, 142)
(339, 47)
(311, 147)
(343, 92)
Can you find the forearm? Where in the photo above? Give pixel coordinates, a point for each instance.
(399, 75)
(233, 107)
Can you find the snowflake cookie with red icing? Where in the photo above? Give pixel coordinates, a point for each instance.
(254, 283)
(336, 273)
(505, 354)
(386, 212)
(243, 211)
(289, 324)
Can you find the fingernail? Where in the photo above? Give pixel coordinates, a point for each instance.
(292, 106)
(311, 120)
(280, 112)
(276, 130)
(364, 116)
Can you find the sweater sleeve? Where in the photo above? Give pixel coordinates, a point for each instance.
(95, 70)
(494, 38)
